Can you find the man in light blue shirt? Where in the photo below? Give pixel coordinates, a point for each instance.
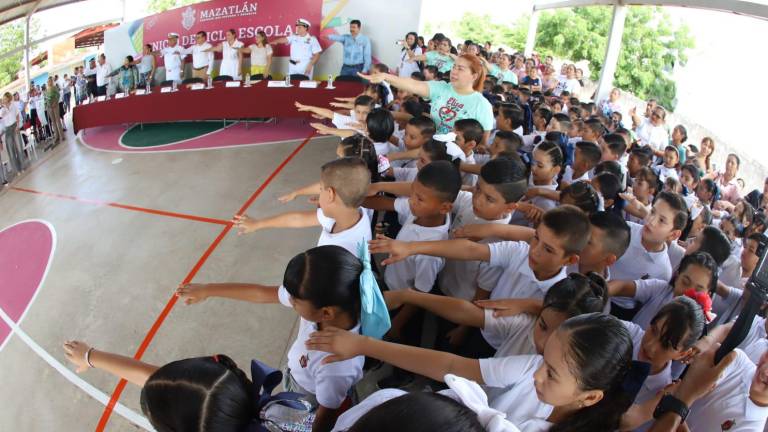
(357, 50)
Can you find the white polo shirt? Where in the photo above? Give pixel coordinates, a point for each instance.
(330, 382)
(405, 174)
(654, 383)
(200, 58)
(101, 74)
(350, 238)
(417, 271)
(638, 263)
(512, 335)
(519, 402)
(728, 407)
(459, 278)
(568, 176)
(508, 274)
(730, 271)
(653, 294)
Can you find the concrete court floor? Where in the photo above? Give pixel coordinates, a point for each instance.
(114, 270)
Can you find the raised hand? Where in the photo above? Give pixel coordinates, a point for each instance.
(342, 344)
(192, 293)
(75, 353)
(397, 250)
(245, 224)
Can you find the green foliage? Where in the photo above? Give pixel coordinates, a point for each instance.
(157, 6)
(651, 46)
(11, 37)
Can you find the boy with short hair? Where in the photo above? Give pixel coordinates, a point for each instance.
(609, 240)
(344, 185)
(469, 133)
(585, 157)
(418, 131)
(647, 257)
(362, 106)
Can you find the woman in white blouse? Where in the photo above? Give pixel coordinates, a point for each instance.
(407, 66)
(261, 54)
(231, 57)
(652, 131)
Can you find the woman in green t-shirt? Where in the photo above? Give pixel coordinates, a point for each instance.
(442, 59)
(457, 100)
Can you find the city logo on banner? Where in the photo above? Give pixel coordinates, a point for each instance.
(233, 11)
(188, 18)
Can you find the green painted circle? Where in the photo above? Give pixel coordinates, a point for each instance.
(157, 134)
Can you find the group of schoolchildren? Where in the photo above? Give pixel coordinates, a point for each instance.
(567, 272)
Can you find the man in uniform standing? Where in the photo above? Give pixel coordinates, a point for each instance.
(172, 55)
(305, 49)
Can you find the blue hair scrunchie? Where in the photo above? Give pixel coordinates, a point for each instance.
(374, 315)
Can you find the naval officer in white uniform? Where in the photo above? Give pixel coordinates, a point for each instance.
(305, 49)
(172, 58)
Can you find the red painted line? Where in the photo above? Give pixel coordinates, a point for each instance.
(200, 262)
(124, 206)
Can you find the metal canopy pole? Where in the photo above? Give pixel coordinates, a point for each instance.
(530, 40)
(612, 51)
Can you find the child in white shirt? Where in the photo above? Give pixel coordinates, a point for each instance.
(469, 134)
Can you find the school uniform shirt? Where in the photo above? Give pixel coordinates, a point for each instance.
(200, 58)
(519, 402)
(654, 383)
(302, 50)
(756, 350)
(653, 294)
(172, 61)
(665, 173)
(417, 271)
(330, 382)
(459, 278)
(352, 415)
(728, 307)
(529, 140)
(342, 121)
(728, 407)
(654, 136)
(408, 67)
(756, 334)
(382, 148)
(568, 176)
(730, 271)
(675, 252)
(405, 174)
(447, 106)
(350, 238)
(638, 263)
(545, 204)
(469, 179)
(510, 335)
(509, 275)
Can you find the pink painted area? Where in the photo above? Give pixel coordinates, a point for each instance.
(25, 252)
(107, 138)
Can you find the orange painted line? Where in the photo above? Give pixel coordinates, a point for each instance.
(191, 275)
(125, 206)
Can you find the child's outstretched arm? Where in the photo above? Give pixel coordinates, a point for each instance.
(196, 293)
(509, 307)
(471, 168)
(501, 231)
(322, 112)
(544, 193)
(406, 155)
(381, 203)
(129, 369)
(394, 188)
(433, 364)
(327, 130)
(313, 189)
(246, 224)
(619, 288)
(461, 249)
(455, 310)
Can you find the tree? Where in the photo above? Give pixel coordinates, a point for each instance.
(11, 37)
(157, 6)
(477, 28)
(651, 46)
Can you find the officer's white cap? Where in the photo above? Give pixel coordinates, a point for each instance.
(304, 22)
(173, 35)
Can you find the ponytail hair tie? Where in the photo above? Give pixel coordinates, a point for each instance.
(451, 147)
(473, 397)
(374, 315)
(635, 377)
(704, 300)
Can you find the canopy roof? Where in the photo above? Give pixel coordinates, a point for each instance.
(11, 10)
(755, 8)
(93, 36)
